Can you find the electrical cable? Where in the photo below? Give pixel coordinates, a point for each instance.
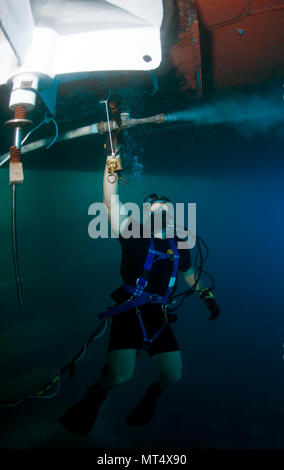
(45, 120)
(70, 366)
(105, 102)
(198, 263)
(241, 16)
(15, 247)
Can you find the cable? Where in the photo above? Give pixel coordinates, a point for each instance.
(15, 247)
(70, 366)
(108, 120)
(45, 120)
(242, 15)
(41, 143)
(31, 131)
(198, 263)
(56, 133)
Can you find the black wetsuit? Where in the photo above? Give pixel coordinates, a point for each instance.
(126, 331)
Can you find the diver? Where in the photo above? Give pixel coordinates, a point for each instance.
(149, 269)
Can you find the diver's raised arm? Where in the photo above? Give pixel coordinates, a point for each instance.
(110, 189)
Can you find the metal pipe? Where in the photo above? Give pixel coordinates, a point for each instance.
(18, 137)
(98, 128)
(127, 121)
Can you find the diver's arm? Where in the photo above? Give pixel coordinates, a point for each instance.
(113, 205)
(110, 189)
(204, 293)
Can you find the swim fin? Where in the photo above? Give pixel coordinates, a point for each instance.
(81, 417)
(145, 410)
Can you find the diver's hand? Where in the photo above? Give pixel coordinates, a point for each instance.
(210, 303)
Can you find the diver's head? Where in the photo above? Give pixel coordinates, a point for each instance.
(160, 214)
(154, 199)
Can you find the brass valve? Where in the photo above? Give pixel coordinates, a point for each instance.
(113, 165)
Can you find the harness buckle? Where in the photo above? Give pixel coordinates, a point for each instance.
(155, 298)
(141, 282)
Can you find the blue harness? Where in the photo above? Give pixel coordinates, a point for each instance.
(139, 296)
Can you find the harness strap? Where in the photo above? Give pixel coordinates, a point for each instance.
(142, 297)
(142, 281)
(127, 305)
(154, 298)
(147, 342)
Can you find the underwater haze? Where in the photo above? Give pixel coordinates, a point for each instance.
(231, 392)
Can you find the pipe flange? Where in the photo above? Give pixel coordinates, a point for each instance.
(13, 123)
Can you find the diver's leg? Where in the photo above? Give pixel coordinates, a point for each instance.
(170, 371)
(118, 369)
(170, 368)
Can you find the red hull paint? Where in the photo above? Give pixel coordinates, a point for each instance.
(237, 42)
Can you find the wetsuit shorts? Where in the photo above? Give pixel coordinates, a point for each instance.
(126, 331)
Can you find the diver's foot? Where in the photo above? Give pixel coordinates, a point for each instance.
(81, 417)
(145, 410)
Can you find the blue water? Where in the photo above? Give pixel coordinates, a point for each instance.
(231, 393)
(251, 114)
